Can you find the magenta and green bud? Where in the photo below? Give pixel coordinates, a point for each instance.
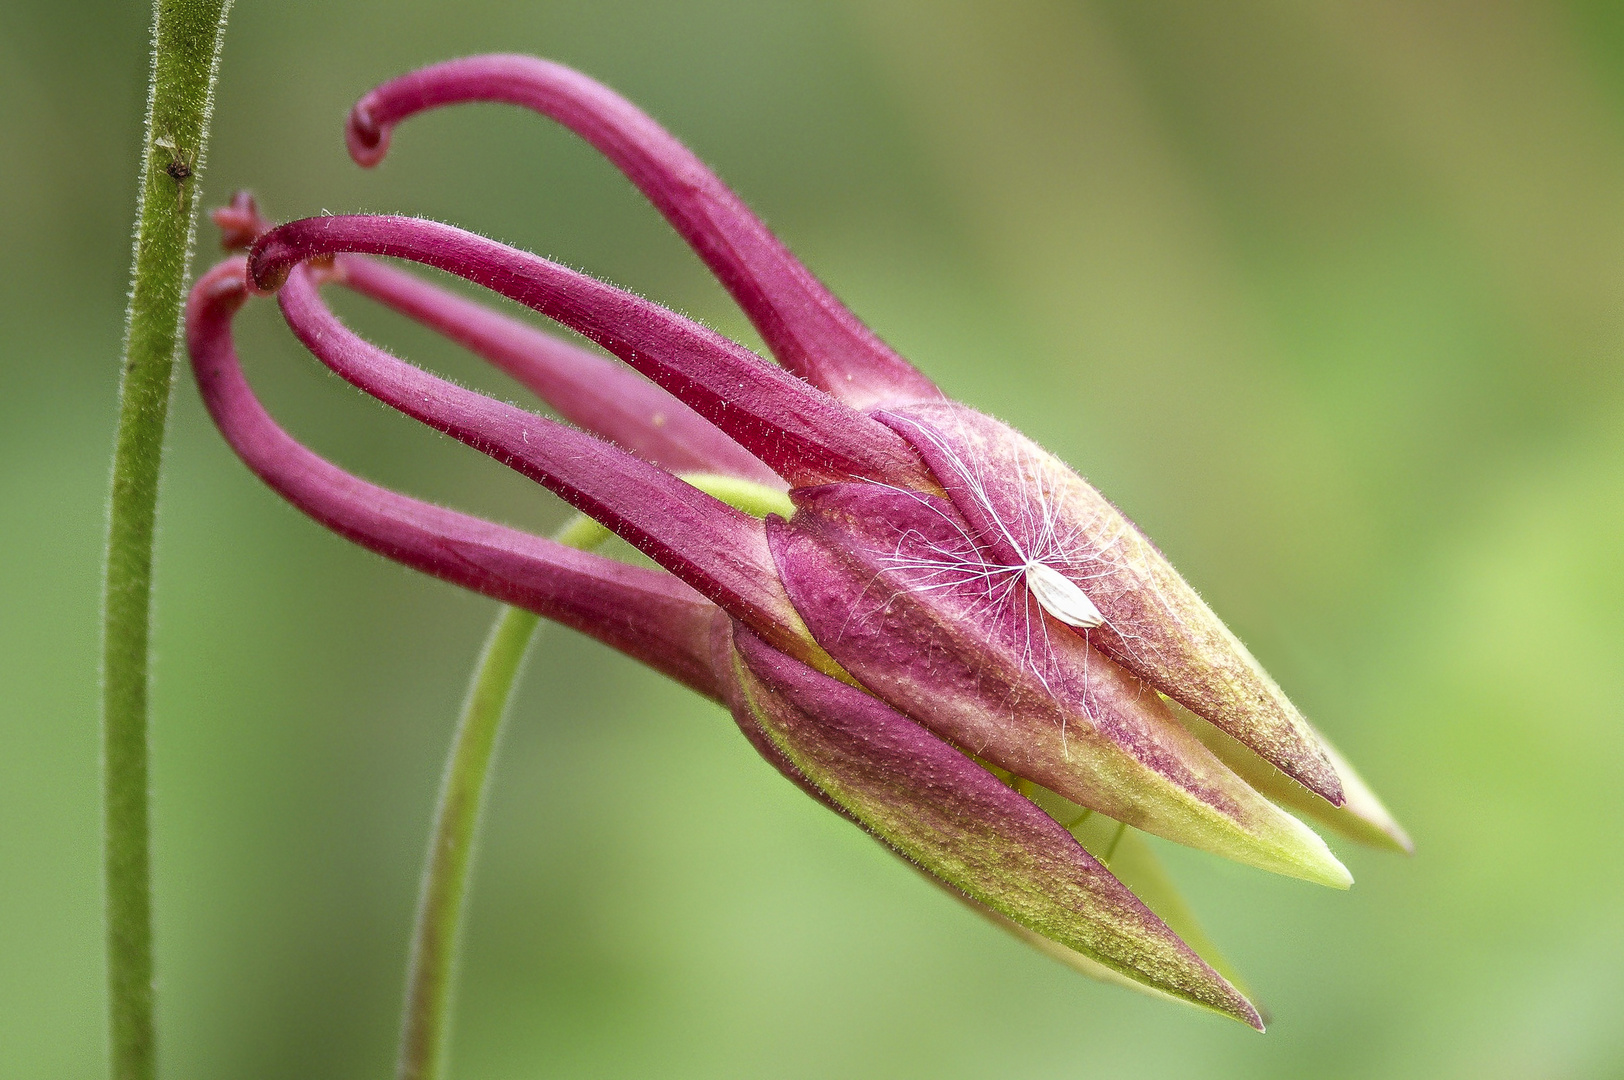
(892, 585)
(946, 635)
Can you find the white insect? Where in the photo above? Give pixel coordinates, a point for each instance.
(1060, 596)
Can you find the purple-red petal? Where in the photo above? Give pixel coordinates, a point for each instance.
(591, 391)
(718, 550)
(807, 327)
(645, 613)
(800, 432)
(942, 811)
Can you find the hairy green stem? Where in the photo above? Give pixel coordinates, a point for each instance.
(425, 1030)
(186, 40)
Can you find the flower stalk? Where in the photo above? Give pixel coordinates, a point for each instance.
(187, 37)
(431, 977)
(437, 935)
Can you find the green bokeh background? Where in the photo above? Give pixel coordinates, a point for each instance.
(1329, 296)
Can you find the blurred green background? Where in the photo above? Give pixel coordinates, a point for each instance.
(1329, 296)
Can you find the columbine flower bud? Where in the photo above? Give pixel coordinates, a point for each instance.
(943, 629)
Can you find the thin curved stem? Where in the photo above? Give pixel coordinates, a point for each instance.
(429, 983)
(425, 1030)
(186, 40)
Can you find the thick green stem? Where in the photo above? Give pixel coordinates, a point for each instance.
(186, 40)
(425, 1032)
